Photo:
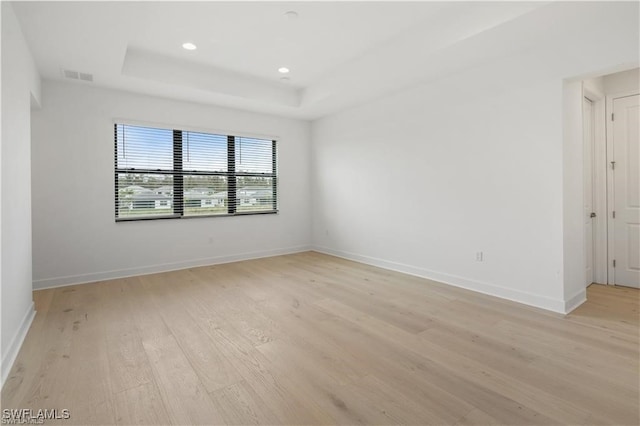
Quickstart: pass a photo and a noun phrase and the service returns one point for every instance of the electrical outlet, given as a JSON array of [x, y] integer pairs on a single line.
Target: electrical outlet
[[479, 256]]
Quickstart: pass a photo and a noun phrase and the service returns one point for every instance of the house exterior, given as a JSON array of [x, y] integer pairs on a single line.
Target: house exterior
[[202, 200], [164, 190], [254, 196], [204, 197], [149, 200], [136, 198]]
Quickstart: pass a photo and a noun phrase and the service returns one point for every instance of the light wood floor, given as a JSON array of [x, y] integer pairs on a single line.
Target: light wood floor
[[313, 339]]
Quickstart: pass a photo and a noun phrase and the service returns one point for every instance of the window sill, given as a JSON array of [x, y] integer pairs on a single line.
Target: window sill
[[136, 219]]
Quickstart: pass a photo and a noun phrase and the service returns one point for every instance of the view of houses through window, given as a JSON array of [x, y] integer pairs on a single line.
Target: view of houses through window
[[173, 173]]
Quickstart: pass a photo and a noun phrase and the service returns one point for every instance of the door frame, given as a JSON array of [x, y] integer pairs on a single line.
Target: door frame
[[610, 98], [600, 189], [588, 120]]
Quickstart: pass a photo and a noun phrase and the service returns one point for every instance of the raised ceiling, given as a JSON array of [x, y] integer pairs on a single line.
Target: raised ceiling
[[340, 53]]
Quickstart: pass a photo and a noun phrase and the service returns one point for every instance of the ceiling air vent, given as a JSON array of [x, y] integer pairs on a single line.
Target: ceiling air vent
[[70, 74], [75, 75]]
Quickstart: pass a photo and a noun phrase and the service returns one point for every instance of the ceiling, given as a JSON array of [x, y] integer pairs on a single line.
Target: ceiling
[[340, 54]]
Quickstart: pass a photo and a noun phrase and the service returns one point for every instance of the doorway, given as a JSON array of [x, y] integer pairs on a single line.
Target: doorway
[[611, 179], [589, 186]]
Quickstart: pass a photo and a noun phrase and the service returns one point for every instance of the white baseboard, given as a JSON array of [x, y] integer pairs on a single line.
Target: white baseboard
[[559, 306], [578, 299], [11, 352], [165, 267], [555, 305]]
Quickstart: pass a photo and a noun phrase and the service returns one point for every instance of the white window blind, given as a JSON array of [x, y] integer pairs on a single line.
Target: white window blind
[[164, 173]]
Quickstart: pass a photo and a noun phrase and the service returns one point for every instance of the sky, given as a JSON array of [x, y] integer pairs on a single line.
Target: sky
[[149, 148]]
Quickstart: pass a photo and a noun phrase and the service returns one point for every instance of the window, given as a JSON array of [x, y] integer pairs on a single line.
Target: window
[[164, 173]]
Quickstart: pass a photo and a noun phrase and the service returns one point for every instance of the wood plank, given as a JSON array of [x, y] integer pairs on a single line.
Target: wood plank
[[183, 395], [213, 369], [285, 400], [241, 405], [313, 339], [511, 396], [141, 405], [128, 360], [89, 401], [309, 375]]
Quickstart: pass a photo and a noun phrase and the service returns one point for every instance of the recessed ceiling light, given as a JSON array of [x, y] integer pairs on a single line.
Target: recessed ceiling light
[[283, 70], [291, 15], [285, 79], [189, 46]]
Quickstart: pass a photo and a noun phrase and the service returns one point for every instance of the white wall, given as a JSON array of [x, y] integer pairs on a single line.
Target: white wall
[[76, 238], [20, 87], [593, 88], [573, 200], [477, 161], [622, 82]]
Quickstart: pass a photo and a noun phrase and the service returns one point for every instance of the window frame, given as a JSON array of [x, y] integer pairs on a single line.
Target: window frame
[[178, 174]]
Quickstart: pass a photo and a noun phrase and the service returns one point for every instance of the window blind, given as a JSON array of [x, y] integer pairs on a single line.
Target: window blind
[[164, 173]]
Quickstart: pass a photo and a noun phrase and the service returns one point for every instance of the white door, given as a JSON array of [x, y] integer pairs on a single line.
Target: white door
[[626, 192], [589, 215]]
